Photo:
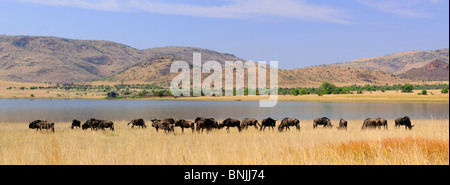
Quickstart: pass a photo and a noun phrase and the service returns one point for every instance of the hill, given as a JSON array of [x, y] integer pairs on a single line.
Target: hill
[[398, 63], [156, 71], [53, 59], [435, 70]]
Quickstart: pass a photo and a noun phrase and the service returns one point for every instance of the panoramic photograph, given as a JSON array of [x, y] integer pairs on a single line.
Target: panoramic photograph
[[228, 82]]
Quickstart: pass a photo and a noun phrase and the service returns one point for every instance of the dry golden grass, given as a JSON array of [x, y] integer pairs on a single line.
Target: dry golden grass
[[427, 143]]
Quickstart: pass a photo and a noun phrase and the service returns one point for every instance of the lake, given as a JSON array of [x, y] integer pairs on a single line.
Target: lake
[[25, 110]]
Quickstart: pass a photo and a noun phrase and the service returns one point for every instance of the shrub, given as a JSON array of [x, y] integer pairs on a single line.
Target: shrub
[[444, 90], [407, 88], [424, 92]]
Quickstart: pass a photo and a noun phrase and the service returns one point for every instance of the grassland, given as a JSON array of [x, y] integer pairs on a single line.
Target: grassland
[[433, 96], [426, 144]]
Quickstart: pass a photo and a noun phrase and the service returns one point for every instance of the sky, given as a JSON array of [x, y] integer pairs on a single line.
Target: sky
[[296, 33]]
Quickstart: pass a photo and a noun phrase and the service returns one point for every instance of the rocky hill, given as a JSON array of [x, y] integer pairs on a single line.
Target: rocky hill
[[436, 70], [398, 63]]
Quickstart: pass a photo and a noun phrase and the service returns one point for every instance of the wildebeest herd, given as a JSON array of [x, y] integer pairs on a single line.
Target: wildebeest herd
[[208, 124]]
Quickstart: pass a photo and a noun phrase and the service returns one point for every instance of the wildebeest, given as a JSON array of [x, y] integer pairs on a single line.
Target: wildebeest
[[105, 124], [205, 123], [287, 122], [268, 122], [229, 122], [76, 123], [382, 123], [322, 121], [91, 123], [374, 123], [249, 122], [42, 124], [405, 121], [97, 124], [137, 122], [369, 123], [185, 124], [342, 124], [163, 124]]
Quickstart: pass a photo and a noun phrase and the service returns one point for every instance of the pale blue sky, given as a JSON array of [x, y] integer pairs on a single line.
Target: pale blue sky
[[296, 33]]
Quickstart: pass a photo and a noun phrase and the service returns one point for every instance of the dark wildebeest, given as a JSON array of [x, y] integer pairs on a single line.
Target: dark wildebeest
[[369, 123], [405, 121], [91, 123], [374, 123], [287, 122], [76, 123], [137, 122], [185, 124], [250, 122], [382, 123], [97, 124], [268, 122], [105, 124], [42, 124], [342, 124], [229, 122], [163, 124], [169, 120], [205, 123], [322, 121]]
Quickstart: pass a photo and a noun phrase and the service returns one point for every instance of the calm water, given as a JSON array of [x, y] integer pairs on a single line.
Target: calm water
[[24, 110]]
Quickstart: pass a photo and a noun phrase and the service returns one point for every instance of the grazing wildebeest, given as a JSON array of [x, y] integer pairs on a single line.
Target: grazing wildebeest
[[250, 122], [369, 123], [137, 122], [105, 124], [287, 122], [405, 121], [96, 124], [229, 122], [42, 124], [322, 121], [374, 123], [342, 124], [206, 123], [382, 123], [185, 124], [268, 122], [163, 124], [76, 123], [91, 123]]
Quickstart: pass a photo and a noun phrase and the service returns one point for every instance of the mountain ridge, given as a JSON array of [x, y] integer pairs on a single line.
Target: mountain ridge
[[55, 59]]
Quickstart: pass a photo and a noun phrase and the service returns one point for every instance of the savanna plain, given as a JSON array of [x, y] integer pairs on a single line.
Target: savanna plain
[[426, 144]]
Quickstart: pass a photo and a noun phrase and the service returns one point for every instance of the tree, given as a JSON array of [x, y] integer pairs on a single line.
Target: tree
[[407, 88], [328, 87]]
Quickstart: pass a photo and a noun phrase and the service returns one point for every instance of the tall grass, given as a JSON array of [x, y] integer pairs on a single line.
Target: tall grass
[[427, 143]]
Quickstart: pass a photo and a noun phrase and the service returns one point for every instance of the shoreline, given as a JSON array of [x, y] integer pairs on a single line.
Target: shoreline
[[345, 98]]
